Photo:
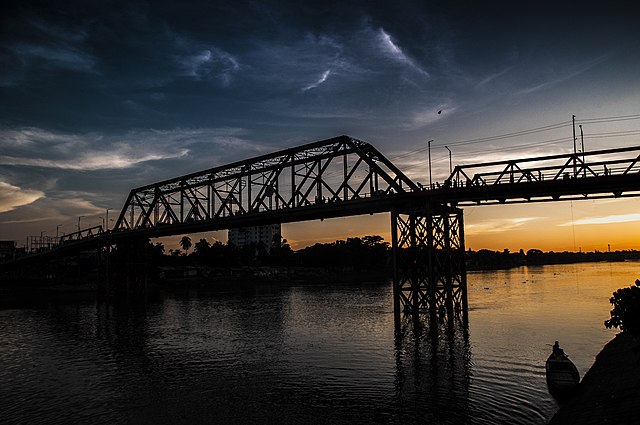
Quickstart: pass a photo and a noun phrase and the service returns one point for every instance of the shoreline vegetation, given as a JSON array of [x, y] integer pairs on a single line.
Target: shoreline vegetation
[[355, 259]]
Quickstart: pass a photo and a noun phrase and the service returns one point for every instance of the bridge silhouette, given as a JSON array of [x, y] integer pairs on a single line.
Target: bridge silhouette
[[344, 176]]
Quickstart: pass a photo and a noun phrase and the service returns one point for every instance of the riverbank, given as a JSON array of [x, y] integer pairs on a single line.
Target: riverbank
[[608, 393]]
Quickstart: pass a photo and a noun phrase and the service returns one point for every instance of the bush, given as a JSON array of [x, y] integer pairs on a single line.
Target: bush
[[626, 309]]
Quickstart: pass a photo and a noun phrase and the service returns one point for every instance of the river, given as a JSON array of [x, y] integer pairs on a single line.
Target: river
[[302, 353]]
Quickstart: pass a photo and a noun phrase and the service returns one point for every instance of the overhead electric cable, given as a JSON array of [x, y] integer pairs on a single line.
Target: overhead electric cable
[[486, 139], [610, 119]]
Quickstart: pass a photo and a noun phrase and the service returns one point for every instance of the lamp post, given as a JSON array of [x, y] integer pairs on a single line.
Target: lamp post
[[575, 153], [582, 144], [79, 217], [429, 147], [450, 163], [107, 220]]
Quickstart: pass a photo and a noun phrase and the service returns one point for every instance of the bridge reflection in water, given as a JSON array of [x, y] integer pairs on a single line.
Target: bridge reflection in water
[[433, 373]]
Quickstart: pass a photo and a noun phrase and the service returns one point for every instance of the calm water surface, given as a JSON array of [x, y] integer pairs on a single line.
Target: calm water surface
[[302, 354]]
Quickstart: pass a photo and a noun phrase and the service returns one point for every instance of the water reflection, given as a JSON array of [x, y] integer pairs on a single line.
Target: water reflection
[[301, 354], [433, 371]]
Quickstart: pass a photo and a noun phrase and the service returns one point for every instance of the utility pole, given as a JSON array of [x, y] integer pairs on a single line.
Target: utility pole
[[582, 143], [575, 153], [430, 180], [450, 163], [79, 217]]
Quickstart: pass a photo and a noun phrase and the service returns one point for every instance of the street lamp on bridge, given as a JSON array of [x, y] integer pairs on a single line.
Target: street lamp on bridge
[[107, 220], [429, 147], [450, 164]]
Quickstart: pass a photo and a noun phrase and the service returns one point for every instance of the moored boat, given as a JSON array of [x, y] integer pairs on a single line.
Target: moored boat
[[562, 375]]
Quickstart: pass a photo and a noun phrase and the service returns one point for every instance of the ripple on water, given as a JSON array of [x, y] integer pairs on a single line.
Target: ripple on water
[[306, 354]]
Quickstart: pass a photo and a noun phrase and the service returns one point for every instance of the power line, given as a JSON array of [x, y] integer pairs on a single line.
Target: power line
[[610, 119], [488, 138], [614, 133], [507, 135], [534, 131], [522, 133]]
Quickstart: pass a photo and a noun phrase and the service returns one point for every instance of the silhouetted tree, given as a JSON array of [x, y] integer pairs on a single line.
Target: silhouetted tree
[[367, 253], [280, 253], [160, 247], [201, 248], [185, 243], [626, 309]]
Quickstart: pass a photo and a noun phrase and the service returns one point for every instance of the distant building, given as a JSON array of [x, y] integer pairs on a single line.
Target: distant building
[[244, 236], [7, 250]]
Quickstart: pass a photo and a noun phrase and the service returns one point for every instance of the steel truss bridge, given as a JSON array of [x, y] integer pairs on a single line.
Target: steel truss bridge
[[343, 176]]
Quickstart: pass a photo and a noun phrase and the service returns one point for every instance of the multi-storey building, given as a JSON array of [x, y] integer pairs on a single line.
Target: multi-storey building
[[244, 236]]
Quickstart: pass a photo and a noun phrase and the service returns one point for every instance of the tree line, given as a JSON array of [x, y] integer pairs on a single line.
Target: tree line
[[370, 252], [357, 253]]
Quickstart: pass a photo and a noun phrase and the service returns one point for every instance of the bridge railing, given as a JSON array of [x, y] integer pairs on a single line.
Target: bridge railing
[[88, 233], [548, 168]]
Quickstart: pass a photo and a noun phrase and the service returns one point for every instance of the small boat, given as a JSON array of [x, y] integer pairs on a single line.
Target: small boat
[[562, 375]]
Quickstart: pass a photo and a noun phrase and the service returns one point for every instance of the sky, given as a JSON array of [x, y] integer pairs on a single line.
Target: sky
[[97, 98]]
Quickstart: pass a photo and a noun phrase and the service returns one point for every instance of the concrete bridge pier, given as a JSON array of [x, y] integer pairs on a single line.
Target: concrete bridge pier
[[429, 275]]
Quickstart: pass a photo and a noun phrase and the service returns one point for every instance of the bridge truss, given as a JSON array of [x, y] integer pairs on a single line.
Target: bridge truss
[[270, 188], [597, 174]]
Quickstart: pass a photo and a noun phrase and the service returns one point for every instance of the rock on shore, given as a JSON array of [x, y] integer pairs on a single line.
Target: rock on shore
[[610, 390]]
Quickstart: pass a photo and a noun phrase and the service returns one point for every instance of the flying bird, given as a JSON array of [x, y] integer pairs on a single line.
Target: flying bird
[[440, 111]]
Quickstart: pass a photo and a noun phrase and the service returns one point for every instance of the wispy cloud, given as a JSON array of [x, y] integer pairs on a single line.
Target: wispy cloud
[[321, 80], [12, 197], [62, 56], [62, 208], [393, 50], [40, 148], [121, 158], [37, 147], [497, 225], [48, 47], [209, 63], [286, 66], [492, 77], [608, 219], [561, 77]]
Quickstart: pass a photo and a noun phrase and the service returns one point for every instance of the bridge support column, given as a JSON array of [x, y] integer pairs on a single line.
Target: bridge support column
[[429, 275]]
